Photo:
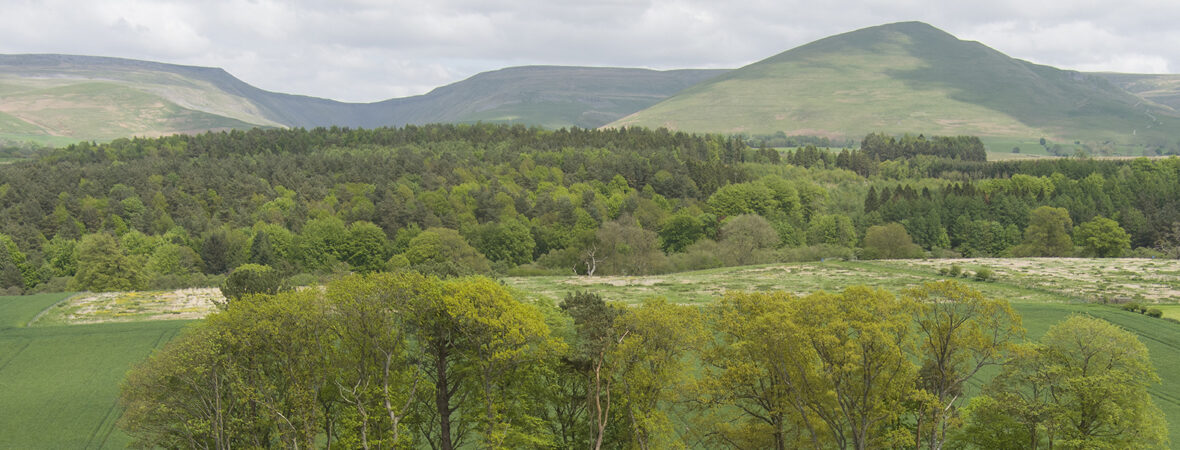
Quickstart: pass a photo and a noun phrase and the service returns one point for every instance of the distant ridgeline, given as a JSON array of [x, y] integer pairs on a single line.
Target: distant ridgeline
[[455, 199]]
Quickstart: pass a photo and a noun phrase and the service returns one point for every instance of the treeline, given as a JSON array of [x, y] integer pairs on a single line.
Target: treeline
[[461, 199], [406, 361]]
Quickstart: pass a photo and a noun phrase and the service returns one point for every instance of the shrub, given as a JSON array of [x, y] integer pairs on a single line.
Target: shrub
[[984, 274], [1155, 312], [1133, 307], [250, 279], [955, 270]]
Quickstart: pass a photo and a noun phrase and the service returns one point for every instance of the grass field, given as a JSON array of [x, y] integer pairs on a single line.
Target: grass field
[[59, 384]]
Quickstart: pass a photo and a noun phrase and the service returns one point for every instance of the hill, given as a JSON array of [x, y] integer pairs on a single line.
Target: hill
[[65, 98], [909, 77], [1163, 89]]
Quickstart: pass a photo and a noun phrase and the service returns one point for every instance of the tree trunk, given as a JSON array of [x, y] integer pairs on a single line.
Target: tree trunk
[[442, 399]]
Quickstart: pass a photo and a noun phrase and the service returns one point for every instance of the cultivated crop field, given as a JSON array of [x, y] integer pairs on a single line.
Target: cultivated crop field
[[59, 384]]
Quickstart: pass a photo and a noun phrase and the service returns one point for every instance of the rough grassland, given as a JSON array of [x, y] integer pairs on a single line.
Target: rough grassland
[[59, 384]]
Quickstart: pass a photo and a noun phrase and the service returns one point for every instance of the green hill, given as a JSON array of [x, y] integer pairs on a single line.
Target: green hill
[[551, 96], [910, 77], [65, 98], [1163, 89]]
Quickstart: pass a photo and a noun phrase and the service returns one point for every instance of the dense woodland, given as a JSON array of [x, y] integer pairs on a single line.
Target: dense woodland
[[469, 199]]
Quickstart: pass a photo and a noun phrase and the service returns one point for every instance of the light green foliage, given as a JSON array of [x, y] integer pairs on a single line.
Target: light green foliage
[[173, 259], [743, 198], [1047, 233], [648, 366], [959, 332], [831, 229], [1083, 386], [376, 382], [59, 255], [890, 241], [322, 242], [749, 395], [859, 373], [1102, 237], [442, 251], [102, 266]]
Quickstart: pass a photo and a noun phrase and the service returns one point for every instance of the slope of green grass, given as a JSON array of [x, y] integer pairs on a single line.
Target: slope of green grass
[[59, 385], [1159, 88], [909, 77]]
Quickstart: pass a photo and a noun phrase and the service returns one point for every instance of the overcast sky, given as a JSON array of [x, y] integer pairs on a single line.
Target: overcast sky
[[369, 50]]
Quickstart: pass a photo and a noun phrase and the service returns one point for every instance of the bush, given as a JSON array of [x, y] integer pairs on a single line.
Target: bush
[[1155, 312], [984, 274], [250, 279], [1133, 307], [954, 271]]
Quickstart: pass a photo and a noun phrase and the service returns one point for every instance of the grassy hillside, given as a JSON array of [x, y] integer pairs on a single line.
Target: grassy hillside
[[61, 98], [1162, 89], [549, 96], [909, 77]]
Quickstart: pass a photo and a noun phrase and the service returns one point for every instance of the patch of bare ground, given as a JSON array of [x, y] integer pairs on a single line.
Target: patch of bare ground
[[182, 304]]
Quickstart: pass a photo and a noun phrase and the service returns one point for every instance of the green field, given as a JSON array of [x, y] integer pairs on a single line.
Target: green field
[[59, 384]]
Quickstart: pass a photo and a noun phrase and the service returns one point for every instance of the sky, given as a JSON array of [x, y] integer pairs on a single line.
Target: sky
[[370, 50]]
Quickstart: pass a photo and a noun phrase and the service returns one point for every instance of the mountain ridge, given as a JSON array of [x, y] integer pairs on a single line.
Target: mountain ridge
[[907, 77], [161, 96]]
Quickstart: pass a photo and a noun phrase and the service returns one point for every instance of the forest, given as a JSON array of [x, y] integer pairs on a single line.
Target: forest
[[185, 210]]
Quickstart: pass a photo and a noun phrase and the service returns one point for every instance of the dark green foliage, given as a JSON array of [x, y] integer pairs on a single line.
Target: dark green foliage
[[680, 231], [293, 199], [249, 279], [1154, 312]]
